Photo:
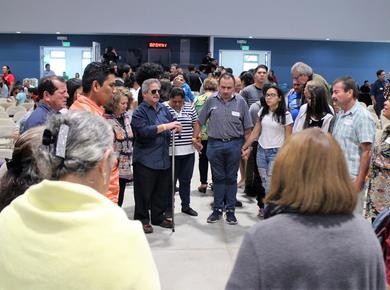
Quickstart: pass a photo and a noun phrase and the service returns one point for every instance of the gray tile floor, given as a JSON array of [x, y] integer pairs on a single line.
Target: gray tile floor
[[197, 255]]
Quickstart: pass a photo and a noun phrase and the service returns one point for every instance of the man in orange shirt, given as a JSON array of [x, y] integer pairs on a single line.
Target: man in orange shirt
[[98, 89]]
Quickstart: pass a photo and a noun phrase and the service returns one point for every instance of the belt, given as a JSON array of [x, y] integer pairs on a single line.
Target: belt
[[225, 139]]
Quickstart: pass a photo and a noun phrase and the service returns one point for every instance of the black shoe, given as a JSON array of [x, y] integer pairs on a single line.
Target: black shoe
[[215, 216], [238, 203], [230, 217], [148, 229], [202, 188], [189, 211]]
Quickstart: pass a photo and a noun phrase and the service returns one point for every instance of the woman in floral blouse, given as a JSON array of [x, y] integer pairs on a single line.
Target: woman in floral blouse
[[119, 117], [379, 177]]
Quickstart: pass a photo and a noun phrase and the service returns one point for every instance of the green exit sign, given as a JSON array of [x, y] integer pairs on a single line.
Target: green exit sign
[[66, 43], [245, 47]]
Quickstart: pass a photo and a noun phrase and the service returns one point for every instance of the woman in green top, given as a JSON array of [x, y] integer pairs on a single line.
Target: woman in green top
[[210, 86]]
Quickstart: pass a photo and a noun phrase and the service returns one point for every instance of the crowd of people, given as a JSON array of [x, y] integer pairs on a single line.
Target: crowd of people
[[316, 158]]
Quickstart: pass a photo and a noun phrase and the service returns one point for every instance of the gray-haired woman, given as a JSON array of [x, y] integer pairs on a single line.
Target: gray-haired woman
[[63, 232]]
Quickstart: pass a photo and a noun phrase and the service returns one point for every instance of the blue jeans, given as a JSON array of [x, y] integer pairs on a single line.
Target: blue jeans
[[224, 159], [265, 161]]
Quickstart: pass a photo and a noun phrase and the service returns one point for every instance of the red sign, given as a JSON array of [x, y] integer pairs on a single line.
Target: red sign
[[157, 45]]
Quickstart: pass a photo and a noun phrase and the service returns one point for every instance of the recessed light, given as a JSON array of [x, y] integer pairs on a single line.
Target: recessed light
[[250, 36], [18, 32], [58, 32], [327, 38]]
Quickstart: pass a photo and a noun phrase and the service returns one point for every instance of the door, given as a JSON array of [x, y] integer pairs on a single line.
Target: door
[[68, 60], [240, 60]]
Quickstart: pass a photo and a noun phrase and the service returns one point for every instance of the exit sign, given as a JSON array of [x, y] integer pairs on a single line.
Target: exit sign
[[66, 43], [245, 47], [157, 45]]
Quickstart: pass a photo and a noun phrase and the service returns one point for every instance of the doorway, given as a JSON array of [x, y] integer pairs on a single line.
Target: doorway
[[243, 60], [70, 60]]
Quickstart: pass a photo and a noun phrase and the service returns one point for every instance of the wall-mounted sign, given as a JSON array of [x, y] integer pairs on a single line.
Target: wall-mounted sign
[[157, 45], [66, 43]]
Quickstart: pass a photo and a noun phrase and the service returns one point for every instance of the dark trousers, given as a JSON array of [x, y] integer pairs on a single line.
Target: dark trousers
[[253, 185], [224, 160], [150, 188], [379, 107], [122, 187], [184, 167], [203, 163]]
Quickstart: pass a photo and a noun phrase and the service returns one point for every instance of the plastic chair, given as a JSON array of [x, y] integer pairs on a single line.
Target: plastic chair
[[18, 116], [3, 114], [12, 110], [28, 106]]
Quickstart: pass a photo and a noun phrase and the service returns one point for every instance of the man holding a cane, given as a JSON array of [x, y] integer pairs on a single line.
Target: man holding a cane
[[152, 124]]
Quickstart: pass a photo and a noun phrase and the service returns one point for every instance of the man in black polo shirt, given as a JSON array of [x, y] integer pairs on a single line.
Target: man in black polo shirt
[[377, 89], [229, 122]]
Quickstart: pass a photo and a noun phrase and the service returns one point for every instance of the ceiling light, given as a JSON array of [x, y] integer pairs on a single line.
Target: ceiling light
[[327, 38], [58, 32], [18, 32], [250, 36]]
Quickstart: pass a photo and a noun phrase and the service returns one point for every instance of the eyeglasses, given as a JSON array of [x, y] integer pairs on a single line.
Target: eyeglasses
[[155, 91], [273, 95]]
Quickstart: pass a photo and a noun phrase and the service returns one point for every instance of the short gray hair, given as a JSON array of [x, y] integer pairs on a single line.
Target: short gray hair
[[146, 84], [88, 139], [301, 69]]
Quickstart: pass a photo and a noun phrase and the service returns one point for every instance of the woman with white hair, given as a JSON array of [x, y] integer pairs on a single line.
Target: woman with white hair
[[63, 233]]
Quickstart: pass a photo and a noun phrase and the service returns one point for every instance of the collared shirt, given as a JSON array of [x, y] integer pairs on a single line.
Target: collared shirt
[[149, 148], [351, 129], [86, 104], [226, 119], [38, 117], [377, 90], [294, 102]]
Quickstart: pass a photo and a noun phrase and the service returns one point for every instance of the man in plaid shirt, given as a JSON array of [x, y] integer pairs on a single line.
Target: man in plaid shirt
[[354, 130]]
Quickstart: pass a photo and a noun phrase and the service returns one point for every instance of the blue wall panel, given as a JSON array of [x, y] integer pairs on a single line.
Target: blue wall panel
[[331, 59], [22, 51]]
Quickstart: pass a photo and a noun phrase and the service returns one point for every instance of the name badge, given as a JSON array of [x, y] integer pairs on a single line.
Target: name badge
[[387, 140], [348, 122], [236, 114], [381, 89]]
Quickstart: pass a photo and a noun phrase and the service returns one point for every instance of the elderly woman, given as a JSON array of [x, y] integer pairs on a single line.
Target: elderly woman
[[184, 153], [210, 86], [63, 233], [379, 175], [311, 239], [22, 170], [119, 117]]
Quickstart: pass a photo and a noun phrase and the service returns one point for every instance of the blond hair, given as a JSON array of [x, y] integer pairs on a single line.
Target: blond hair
[[310, 175], [112, 106]]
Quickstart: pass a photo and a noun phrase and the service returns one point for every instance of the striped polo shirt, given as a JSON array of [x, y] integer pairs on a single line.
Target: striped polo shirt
[[183, 141]]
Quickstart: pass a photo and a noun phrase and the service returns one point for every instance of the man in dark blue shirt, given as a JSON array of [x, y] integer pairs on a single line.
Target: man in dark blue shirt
[[377, 90], [152, 123], [53, 95]]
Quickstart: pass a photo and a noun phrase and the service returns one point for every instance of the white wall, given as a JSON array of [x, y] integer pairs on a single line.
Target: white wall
[[283, 19]]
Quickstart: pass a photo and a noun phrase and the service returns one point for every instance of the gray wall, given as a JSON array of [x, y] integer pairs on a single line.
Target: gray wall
[[353, 20]]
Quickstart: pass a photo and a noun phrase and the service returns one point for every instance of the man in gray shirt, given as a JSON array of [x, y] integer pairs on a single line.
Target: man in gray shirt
[[254, 92], [228, 123]]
